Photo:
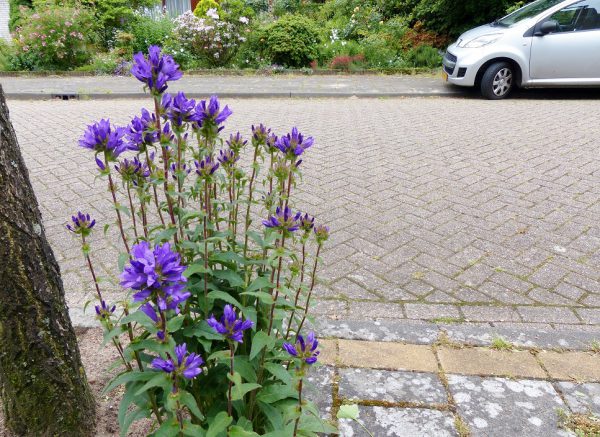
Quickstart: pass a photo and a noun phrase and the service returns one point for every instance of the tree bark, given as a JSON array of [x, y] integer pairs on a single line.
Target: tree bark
[[43, 385]]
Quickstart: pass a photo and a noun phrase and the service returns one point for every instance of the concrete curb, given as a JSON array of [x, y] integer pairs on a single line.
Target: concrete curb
[[229, 95]]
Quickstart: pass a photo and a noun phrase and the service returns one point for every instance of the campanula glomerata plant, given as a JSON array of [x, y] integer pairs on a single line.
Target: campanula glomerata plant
[[217, 270]]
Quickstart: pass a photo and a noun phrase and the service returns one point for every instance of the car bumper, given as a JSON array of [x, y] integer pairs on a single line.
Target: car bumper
[[462, 65]]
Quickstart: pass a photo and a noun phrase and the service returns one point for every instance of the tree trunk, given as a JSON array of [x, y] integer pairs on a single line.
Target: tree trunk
[[43, 385]]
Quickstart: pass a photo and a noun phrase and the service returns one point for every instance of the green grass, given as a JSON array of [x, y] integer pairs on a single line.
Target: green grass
[[500, 344]]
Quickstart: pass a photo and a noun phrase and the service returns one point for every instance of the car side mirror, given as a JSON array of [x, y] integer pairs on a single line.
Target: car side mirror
[[547, 27]]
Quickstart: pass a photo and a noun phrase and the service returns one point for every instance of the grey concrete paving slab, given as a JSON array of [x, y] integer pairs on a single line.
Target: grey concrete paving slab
[[581, 398], [400, 422], [507, 407], [319, 386], [383, 385]]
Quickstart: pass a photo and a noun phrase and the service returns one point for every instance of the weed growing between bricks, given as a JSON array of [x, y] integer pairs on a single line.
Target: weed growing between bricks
[[211, 333]]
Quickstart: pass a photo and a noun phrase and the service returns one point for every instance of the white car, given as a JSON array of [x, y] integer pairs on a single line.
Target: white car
[[547, 43]]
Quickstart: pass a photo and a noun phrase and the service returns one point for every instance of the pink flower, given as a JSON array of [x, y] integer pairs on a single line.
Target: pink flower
[[25, 48], [43, 43]]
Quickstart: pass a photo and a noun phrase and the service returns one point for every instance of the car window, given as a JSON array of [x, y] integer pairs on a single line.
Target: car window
[[527, 11], [583, 15]]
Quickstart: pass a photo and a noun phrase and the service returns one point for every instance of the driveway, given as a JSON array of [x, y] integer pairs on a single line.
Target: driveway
[[446, 210]]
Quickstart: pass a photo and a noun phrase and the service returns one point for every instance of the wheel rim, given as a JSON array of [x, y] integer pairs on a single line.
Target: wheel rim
[[502, 82]]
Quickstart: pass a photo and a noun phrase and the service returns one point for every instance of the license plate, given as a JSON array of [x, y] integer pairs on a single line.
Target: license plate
[[445, 76]]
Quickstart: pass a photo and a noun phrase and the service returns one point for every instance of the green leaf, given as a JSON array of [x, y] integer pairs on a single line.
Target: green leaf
[[264, 297], [158, 380], [115, 332], [123, 378], [227, 257], [314, 424], [240, 389], [169, 428], [192, 430], [348, 412], [219, 424], [137, 317], [165, 235], [230, 276], [189, 401], [175, 323], [237, 431], [279, 371], [261, 340], [136, 414], [259, 283], [273, 393], [126, 401], [195, 268], [217, 294], [272, 414]]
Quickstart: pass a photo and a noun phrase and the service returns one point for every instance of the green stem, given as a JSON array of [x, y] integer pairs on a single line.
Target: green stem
[[289, 328]]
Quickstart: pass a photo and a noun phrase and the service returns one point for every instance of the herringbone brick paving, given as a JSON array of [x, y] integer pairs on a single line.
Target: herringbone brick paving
[[450, 209]]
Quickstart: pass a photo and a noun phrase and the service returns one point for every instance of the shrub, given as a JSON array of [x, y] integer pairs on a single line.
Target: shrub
[[423, 57], [212, 335], [15, 8], [258, 5], [147, 31], [54, 38], [346, 63], [284, 7], [292, 41], [210, 39], [204, 6], [378, 52], [6, 56]]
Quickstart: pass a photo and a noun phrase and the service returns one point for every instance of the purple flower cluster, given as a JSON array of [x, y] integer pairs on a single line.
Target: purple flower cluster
[[206, 168], [82, 224], [179, 109], [306, 350], [294, 144], [230, 325], [307, 223], [260, 134], [210, 112], [103, 311], [142, 131], [227, 158], [321, 233], [133, 170], [236, 143], [156, 70], [283, 220], [183, 171], [186, 365], [156, 274], [101, 137]]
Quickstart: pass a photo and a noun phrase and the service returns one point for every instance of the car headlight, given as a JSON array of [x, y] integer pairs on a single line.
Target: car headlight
[[481, 41]]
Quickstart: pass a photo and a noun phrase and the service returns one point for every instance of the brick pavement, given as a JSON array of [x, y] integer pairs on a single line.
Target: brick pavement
[[441, 209]]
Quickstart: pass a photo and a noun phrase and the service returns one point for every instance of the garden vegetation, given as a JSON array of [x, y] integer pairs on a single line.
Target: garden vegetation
[[101, 36]]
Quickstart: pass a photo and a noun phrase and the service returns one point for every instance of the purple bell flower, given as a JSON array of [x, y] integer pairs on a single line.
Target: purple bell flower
[[179, 109], [101, 137], [157, 274], [283, 220], [206, 167], [184, 364], [103, 311], [306, 350], [294, 144], [321, 233], [156, 70], [210, 112], [82, 224], [142, 131], [230, 325]]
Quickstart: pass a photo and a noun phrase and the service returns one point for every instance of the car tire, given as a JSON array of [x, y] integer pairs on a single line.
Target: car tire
[[498, 81]]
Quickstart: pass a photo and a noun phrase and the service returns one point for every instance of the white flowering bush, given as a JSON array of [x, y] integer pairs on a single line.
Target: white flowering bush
[[210, 39]]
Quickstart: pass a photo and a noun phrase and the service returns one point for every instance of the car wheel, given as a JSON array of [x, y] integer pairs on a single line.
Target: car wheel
[[498, 81]]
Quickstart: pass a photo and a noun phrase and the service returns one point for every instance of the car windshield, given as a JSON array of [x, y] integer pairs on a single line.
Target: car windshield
[[528, 11]]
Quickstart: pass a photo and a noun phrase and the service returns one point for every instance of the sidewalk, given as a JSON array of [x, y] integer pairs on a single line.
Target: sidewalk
[[97, 87]]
